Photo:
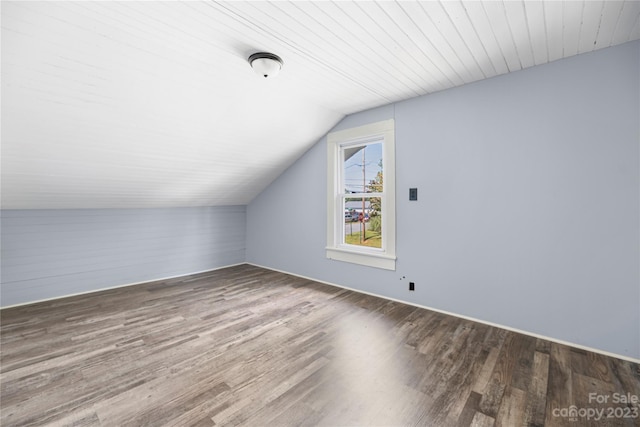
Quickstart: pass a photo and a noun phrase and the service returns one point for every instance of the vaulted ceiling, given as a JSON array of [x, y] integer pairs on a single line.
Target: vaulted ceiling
[[149, 104]]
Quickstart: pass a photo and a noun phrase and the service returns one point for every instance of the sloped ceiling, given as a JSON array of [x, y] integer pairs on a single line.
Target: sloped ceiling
[[149, 104]]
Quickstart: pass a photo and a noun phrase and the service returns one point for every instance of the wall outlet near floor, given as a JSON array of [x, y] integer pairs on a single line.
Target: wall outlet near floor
[[412, 286]]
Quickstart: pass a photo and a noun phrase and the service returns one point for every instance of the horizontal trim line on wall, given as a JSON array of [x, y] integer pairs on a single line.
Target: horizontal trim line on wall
[[495, 325], [120, 286]]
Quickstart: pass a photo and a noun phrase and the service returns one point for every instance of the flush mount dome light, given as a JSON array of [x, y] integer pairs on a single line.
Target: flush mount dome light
[[265, 64]]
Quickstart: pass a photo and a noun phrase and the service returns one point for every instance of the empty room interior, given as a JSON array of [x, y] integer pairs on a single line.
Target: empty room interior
[[417, 213]]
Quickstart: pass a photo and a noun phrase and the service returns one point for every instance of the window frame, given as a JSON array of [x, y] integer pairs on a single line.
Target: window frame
[[385, 257]]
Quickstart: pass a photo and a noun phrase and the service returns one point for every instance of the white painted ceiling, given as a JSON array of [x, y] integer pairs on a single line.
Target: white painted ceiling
[[149, 104]]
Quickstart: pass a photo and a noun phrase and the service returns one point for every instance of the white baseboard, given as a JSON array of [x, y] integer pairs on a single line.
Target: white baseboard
[[495, 325], [118, 286]]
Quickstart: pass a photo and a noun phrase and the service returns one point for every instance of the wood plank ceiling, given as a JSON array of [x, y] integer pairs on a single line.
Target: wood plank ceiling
[[148, 104]]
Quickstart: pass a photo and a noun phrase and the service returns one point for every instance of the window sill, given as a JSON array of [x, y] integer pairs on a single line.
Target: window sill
[[370, 259]]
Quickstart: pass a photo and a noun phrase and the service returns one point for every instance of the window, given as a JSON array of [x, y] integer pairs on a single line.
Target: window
[[361, 195]]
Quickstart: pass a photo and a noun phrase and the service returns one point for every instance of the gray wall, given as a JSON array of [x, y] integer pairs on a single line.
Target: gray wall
[[528, 211], [52, 253]]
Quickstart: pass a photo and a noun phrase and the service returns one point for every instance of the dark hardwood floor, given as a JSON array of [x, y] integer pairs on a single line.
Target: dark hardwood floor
[[248, 346]]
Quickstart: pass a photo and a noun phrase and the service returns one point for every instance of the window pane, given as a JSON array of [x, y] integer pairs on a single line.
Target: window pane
[[363, 221], [362, 168]]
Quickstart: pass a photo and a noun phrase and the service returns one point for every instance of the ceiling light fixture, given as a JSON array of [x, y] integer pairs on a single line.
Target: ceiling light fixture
[[265, 64]]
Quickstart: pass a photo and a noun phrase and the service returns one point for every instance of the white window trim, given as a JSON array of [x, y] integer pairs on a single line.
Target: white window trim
[[384, 258]]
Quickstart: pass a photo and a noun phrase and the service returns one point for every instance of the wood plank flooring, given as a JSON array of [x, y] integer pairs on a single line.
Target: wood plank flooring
[[253, 347]]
